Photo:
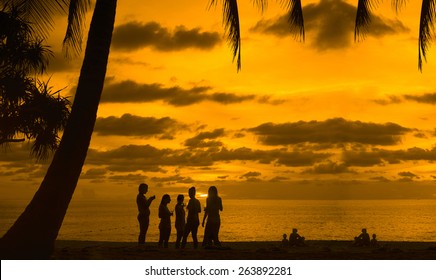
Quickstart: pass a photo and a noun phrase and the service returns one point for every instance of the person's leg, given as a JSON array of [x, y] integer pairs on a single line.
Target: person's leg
[[179, 237], [161, 236], [143, 227], [216, 233], [167, 235], [207, 235], [185, 234], [194, 236]]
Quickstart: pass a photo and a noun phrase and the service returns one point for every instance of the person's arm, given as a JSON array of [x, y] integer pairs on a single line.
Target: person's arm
[[221, 204], [160, 214], [178, 210], [149, 201], [198, 206], [204, 217]]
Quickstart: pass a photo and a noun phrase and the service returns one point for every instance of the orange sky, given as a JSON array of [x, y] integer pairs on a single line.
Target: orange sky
[[324, 118]]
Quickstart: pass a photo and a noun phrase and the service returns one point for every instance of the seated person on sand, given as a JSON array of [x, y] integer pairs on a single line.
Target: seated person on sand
[[295, 239], [285, 242], [362, 239], [374, 242]]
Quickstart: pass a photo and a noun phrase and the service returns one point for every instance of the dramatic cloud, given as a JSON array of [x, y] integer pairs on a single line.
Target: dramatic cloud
[[133, 158], [380, 179], [131, 91], [173, 179], [408, 174], [334, 131], [136, 35], [331, 23], [94, 173], [250, 174], [329, 167], [130, 125], [389, 100], [382, 156], [429, 98], [199, 140]]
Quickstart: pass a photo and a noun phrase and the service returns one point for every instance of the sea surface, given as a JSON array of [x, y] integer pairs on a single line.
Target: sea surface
[[253, 220]]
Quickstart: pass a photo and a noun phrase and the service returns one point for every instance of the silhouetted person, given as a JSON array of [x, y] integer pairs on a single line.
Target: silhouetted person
[[285, 241], [144, 211], [362, 239], [180, 219], [165, 221], [295, 239], [212, 213], [192, 220], [374, 242]]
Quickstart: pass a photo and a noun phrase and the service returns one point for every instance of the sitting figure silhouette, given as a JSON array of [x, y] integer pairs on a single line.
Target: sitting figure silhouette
[[362, 239], [285, 241], [374, 242], [295, 239]]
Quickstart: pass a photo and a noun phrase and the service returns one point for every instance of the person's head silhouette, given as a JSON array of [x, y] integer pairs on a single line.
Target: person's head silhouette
[[143, 188], [212, 192], [192, 192]]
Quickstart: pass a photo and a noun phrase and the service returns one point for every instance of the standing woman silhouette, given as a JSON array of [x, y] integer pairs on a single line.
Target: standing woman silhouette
[[212, 213], [143, 211], [165, 221]]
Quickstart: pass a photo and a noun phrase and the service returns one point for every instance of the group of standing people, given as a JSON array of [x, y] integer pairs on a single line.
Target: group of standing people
[[211, 220]]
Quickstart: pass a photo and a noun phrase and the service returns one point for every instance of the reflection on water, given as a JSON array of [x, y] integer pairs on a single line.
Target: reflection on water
[[254, 220]]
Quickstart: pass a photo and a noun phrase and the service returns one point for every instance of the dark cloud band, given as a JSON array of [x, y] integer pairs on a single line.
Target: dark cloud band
[[332, 24], [132, 92], [136, 35], [334, 131]]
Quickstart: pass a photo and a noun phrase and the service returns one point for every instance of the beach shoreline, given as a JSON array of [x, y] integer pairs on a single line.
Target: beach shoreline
[[260, 250]]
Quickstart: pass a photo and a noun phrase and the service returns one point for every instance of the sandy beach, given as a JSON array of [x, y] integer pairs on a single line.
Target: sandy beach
[[315, 250]]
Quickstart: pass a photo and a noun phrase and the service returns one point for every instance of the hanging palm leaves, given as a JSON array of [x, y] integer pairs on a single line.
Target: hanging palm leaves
[[29, 109]]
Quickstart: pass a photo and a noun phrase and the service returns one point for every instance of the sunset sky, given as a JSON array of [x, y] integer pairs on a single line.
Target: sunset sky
[[327, 118]]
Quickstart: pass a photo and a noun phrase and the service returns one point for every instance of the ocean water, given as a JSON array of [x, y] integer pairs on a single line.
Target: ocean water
[[253, 220]]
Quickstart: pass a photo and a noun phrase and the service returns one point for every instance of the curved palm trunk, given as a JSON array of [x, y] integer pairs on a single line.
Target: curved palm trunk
[[33, 234]]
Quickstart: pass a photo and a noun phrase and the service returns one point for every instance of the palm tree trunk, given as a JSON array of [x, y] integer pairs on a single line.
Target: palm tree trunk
[[35, 231]]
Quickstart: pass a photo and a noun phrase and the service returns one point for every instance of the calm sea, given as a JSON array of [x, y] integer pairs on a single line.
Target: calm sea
[[254, 220]]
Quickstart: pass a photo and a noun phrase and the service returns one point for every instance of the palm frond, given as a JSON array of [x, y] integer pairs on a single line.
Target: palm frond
[[363, 18], [295, 17], [261, 4], [398, 4], [40, 13], [231, 26], [76, 17], [37, 57], [426, 28]]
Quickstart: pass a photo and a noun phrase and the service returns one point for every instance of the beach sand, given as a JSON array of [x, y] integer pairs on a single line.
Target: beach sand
[[315, 250]]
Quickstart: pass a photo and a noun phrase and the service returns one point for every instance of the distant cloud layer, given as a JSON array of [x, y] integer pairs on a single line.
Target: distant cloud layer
[[333, 131], [331, 24], [205, 139], [427, 98], [208, 150], [136, 35], [131, 91], [131, 158], [375, 156], [130, 125]]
